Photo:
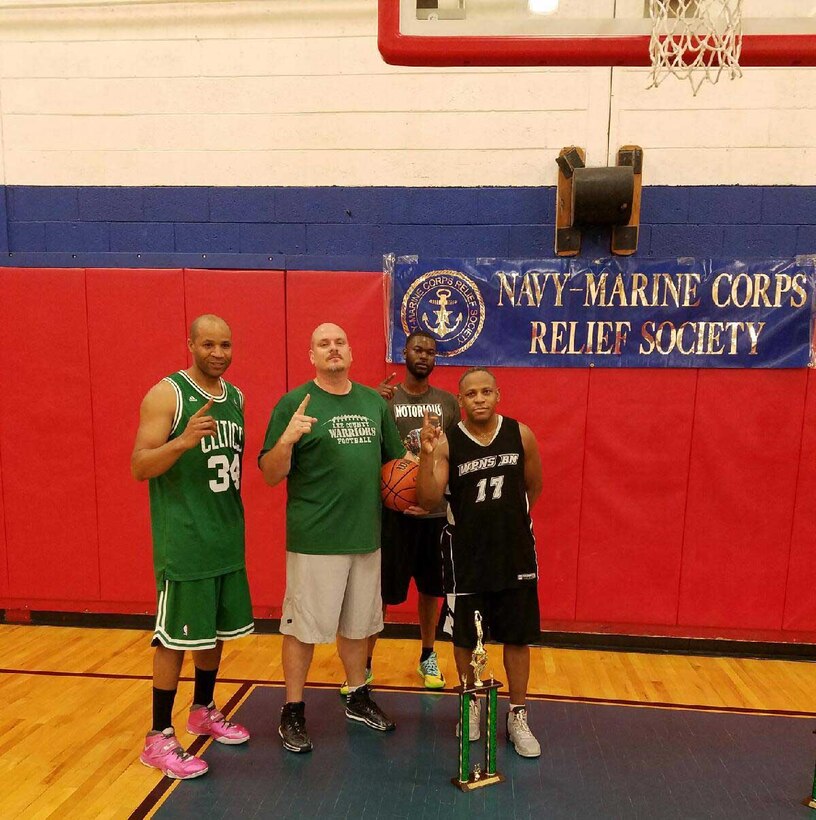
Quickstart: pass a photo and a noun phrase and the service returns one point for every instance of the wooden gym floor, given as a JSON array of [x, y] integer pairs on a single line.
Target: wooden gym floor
[[76, 702]]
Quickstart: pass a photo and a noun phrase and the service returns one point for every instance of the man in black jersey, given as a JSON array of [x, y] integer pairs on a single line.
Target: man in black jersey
[[492, 469]]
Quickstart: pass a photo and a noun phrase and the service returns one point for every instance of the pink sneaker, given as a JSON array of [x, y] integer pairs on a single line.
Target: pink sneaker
[[207, 720], [163, 751]]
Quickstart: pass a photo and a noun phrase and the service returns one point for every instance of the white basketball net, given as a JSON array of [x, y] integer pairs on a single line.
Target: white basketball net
[[695, 40]]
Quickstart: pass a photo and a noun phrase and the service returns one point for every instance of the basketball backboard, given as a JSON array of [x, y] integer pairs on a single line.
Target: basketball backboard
[[572, 32]]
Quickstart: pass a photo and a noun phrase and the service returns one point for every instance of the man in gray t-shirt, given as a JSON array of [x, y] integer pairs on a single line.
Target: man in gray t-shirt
[[410, 540]]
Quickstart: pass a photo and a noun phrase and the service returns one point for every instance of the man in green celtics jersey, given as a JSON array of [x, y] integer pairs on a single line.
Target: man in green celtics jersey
[[331, 458], [190, 446]]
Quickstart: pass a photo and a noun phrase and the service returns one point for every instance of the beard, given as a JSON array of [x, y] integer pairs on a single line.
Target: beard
[[419, 375]]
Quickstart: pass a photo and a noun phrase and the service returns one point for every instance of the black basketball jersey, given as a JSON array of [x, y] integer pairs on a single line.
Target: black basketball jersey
[[488, 544]]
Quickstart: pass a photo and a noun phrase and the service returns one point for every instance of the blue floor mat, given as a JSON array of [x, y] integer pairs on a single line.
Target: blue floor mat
[[598, 761]]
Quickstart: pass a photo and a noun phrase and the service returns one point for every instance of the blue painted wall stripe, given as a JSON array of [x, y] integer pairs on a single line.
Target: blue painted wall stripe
[[342, 228]]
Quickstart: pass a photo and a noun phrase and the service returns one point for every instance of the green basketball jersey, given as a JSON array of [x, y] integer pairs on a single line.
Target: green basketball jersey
[[195, 507]]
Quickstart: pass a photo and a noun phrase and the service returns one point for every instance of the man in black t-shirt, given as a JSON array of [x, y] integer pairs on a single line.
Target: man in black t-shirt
[[491, 467], [410, 540]]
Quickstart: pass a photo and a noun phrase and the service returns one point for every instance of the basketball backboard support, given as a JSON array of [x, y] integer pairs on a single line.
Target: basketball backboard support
[[572, 32]]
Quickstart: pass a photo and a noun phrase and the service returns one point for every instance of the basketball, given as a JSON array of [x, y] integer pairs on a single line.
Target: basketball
[[398, 485]]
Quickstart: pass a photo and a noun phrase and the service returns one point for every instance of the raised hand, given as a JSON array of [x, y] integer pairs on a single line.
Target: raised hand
[[199, 426], [299, 424], [430, 434], [386, 389]]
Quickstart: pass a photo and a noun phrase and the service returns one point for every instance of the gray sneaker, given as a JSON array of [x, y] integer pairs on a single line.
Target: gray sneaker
[[474, 720], [519, 734]]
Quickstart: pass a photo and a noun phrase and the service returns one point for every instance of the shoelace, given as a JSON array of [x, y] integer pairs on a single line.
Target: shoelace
[[174, 747], [296, 720], [217, 717], [299, 726], [522, 727], [431, 666], [181, 754], [228, 724]]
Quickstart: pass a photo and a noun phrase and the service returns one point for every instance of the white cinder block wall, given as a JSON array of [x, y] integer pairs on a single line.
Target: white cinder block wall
[[294, 93]]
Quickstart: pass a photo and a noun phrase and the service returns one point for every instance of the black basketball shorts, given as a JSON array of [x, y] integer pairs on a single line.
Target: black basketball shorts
[[410, 549], [510, 616]]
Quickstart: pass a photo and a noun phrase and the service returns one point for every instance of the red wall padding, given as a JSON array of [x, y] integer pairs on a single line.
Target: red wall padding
[[742, 485], [678, 499], [636, 462], [46, 437], [4, 585], [800, 601], [352, 300], [136, 333]]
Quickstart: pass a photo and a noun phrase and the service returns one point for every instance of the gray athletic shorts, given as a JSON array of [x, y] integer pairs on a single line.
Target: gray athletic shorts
[[331, 594]]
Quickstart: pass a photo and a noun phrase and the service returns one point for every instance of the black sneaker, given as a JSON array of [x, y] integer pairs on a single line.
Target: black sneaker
[[292, 728], [360, 707]]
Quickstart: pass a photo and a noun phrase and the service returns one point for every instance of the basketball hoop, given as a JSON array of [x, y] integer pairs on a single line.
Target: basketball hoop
[[695, 40]]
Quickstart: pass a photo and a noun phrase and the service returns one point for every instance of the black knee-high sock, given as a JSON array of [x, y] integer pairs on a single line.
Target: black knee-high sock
[[163, 708], [204, 686]]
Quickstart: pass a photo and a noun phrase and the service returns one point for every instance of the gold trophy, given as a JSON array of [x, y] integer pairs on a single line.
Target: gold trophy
[[466, 780], [479, 659]]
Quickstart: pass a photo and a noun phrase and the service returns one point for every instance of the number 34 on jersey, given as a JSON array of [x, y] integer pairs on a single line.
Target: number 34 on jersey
[[226, 470]]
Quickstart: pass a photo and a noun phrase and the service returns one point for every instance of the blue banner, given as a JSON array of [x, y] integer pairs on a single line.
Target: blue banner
[[605, 313]]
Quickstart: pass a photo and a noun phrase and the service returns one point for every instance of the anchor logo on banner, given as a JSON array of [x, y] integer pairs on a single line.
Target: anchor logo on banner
[[448, 305], [442, 327]]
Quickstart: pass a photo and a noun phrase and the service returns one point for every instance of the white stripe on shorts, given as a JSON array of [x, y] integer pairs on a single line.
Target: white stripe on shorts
[[236, 633]]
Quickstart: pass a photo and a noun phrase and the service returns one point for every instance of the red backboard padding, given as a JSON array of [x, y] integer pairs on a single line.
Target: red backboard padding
[[742, 486], [253, 304], [674, 498], [46, 436], [136, 334]]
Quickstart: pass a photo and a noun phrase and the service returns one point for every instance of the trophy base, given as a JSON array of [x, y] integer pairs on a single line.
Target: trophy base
[[810, 802], [470, 785]]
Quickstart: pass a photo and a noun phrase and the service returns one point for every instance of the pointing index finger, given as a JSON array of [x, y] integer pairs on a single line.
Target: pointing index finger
[[303, 404], [388, 378], [202, 410]]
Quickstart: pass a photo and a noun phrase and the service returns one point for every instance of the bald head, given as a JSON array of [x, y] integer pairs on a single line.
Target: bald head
[[327, 330], [329, 350], [210, 345], [208, 323], [478, 396]]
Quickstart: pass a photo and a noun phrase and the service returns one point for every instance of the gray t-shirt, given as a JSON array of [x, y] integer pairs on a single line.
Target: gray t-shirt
[[409, 410]]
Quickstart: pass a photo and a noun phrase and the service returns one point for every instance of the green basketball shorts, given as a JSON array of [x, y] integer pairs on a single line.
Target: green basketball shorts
[[196, 614]]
